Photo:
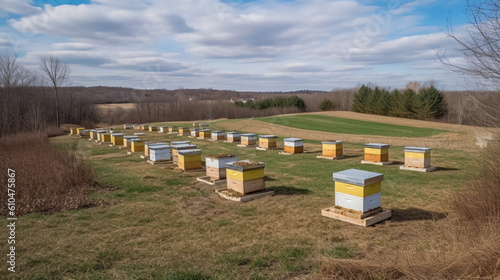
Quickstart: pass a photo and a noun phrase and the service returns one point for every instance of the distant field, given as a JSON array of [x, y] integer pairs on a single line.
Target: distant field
[[349, 126]]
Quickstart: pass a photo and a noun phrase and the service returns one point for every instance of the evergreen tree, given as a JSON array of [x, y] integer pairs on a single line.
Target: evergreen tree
[[326, 105], [360, 99]]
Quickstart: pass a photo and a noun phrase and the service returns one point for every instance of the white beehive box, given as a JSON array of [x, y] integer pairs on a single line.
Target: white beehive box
[[159, 152]]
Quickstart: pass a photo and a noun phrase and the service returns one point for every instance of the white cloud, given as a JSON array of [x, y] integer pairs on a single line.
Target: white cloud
[[18, 7]]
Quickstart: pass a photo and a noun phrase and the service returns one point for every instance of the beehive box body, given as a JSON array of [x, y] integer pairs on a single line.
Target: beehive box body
[[332, 149], [205, 134], [218, 135], [419, 157], [178, 147], [93, 134], [117, 139], [184, 131], [358, 190], [126, 140], [159, 153], [294, 145], [248, 139], [147, 145], [189, 159], [163, 129], [136, 146], [153, 128], [267, 141], [144, 127], [216, 167], [172, 129], [233, 137], [376, 152], [245, 179], [127, 126], [194, 132], [105, 137], [80, 130]]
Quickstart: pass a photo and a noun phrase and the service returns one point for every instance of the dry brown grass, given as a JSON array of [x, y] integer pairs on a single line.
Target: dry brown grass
[[46, 180]]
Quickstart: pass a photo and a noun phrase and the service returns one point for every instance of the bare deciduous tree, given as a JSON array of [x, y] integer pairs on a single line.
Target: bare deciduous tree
[[57, 73]]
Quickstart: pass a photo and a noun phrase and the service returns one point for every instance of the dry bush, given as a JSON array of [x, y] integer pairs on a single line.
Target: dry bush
[[47, 181], [52, 131]]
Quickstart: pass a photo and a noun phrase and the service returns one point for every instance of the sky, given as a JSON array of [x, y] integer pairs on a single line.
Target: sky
[[276, 45]]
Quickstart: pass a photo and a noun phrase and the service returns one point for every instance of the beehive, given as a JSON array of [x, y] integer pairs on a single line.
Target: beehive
[[267, 141], [216, 165], [137, 126], [245, 176], [248, 139], [183, 131], [195, 124], [195, 132], [147, 145], [172, 129], [79, 130], [358, 190], [153, 128], [203, 125], [144, 127], [159, 153], [163, 129], [117, 139], [294, 145], [126, 140], [218, 135], [189, 159], [418, 157], [136, 145], [233, 137], [375, 152], [105, 137], [72, 131], [177, 147], [127, 126], [93, 134], [332, 148], [205, 134]]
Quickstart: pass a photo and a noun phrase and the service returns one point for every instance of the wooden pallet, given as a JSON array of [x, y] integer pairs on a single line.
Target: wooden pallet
[[229, 194], [267, 149], [428, 169], [377, 163], [331, 158], [159, 162], [207, 180], [361, 219]]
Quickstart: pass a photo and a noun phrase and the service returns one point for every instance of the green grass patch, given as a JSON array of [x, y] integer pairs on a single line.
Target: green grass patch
[[349, 126]]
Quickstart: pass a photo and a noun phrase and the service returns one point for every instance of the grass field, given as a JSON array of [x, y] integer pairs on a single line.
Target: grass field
[[159, 223], [349, 126]]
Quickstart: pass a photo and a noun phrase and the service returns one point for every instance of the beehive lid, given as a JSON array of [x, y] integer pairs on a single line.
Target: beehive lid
[[100, 131], [333, 142], [194, 128], [268, 136], [417, 149], [218, 131], [243, 165], [189, 152], [377, 146], [220, 156], [159, 147], [233, 132], [134, 140], [293, 139], [105, 133], [248, 134], [130, 137], [155, 144], [180, 142], [204, 130], [183, 146], [92, 130], [358, 177]]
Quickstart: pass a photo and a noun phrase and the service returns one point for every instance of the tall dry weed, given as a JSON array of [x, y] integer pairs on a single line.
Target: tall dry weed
[[46, 180]]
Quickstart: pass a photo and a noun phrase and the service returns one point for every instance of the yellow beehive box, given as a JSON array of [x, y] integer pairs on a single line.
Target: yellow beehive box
[[184, 131], [172, 129], [332, 148], [177, 147], [126, 140], [418, 157], [80, 130], [358, 190], [136, 145], [267, 141], [144, 127], [105, 137], [93, 134], [153, 128], [189, 159], [148, 144], [117, 139], [375, 152], [245, 176], [205, 133], [72, 131]]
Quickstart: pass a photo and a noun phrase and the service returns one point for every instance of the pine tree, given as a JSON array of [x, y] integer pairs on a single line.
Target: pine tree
[[360, 99]]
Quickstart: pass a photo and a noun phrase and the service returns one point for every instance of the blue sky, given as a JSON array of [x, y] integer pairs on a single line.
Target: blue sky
[[239, 45]]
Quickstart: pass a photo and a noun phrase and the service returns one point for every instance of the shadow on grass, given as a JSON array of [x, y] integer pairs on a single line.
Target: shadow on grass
[[414, 214], [269, 179], [288, 190], [438, 168]]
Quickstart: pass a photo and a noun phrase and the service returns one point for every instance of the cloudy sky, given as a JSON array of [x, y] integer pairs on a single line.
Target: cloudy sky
[[239, 45]]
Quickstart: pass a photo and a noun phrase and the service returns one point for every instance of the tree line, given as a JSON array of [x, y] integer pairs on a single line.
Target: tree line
[[422, 103], [277, 102]]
